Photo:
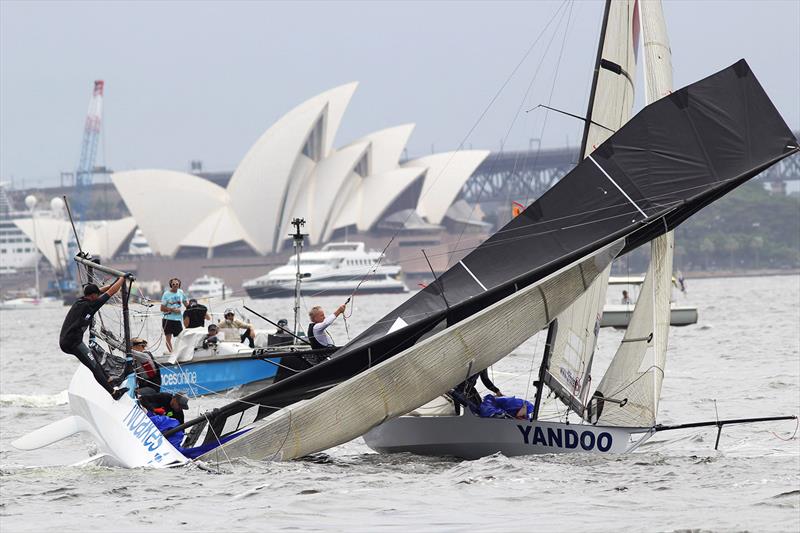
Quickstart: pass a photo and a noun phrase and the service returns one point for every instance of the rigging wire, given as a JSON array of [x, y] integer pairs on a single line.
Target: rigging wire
[[472, 129], [519, 109]]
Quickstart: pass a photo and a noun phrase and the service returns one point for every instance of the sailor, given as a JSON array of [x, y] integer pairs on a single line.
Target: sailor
[[78, 319], [165, 404], [211, 337], [282, 325], [163, 422], [195, 315], [171, 302], [626, 300], [232, 323], [467, 391], [148, 375], [317, 336]]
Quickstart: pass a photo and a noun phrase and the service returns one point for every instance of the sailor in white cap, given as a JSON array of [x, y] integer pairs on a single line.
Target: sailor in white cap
[[231, 325]]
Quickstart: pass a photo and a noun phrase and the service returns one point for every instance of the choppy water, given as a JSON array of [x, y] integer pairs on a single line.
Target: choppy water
[[745, 353]]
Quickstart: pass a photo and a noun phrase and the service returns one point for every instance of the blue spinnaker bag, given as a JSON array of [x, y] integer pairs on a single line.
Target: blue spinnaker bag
[[504, 407]]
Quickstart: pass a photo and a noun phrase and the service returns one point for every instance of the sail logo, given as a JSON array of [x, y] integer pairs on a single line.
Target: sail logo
[[182, 378], [567, 438], [140, 426]]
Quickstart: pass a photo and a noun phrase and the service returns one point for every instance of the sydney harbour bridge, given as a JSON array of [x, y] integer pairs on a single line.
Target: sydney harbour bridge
[[523, 176]]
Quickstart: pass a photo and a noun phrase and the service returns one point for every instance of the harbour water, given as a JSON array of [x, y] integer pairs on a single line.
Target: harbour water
[[742, 357]]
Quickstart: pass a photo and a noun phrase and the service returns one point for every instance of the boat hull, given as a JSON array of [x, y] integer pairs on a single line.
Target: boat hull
[[618, 316], [472, 437], [210, 376]]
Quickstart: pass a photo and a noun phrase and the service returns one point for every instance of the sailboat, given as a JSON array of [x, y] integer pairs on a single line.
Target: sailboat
[[676, 156]]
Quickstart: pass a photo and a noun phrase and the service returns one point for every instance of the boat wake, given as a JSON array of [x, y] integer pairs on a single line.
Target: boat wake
[[34, 400]]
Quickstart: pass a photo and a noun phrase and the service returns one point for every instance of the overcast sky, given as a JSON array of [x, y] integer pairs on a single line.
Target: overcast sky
[[202, 80]]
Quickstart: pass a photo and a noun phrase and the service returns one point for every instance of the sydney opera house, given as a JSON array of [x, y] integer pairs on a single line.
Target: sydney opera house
[[296, 169]]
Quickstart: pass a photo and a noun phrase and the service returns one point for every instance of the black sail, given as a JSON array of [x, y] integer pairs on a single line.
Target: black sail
[[673, 158]]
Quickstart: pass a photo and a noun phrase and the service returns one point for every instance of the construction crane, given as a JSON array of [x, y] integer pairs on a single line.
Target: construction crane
[[79, 201]]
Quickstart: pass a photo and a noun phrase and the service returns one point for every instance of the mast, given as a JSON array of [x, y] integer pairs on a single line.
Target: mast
[[548, 348], [297, 238], [595, 76]]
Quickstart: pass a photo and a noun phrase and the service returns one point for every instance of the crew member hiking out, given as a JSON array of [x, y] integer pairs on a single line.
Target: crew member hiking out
[[317, 336], [78, 319]]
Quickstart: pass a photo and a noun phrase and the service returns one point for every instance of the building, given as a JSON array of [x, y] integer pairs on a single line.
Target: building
[[295, 170]]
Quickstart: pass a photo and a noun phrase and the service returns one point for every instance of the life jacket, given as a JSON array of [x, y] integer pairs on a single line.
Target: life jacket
[[315, 344]]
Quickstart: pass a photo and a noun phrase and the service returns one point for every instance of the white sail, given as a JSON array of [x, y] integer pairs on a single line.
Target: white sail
[[637, 370], [419, 374], [568, 369]]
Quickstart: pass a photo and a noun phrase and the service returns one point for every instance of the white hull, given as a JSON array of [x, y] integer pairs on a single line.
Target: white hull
[[618, 315], [125, 436], [31, 303], [471, 437]]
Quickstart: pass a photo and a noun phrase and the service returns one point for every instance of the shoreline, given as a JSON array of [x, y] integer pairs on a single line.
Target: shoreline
[[701, 274]]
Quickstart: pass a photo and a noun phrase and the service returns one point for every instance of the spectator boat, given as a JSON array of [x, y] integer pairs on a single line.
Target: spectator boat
[[617, 314], [338, 268], [206, 287]]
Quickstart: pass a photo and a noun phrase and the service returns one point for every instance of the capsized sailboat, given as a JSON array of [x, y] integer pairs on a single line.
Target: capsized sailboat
[[621, 413], [677, 155]]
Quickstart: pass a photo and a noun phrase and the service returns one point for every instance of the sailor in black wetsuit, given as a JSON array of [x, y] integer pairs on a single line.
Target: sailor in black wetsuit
[[468, 392], [78, 319]]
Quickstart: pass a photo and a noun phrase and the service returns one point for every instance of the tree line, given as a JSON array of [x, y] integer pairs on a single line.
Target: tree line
[[747, 229]]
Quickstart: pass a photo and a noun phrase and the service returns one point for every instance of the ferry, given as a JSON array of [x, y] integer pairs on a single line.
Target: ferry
[[336, 269], [208, 287]]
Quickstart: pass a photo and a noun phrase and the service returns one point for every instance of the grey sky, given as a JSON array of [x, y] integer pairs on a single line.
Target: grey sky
[[202, 80]]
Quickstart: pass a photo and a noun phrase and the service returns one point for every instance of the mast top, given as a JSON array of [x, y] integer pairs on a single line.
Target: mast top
[[297, 236]]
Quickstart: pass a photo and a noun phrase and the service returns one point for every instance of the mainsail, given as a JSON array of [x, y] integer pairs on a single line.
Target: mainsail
[[567, 362], [637, 369], [676, 156], [420, 373]]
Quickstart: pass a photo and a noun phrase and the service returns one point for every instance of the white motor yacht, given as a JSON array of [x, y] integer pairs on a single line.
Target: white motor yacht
[[139, 244], [208, 287], [337, 268], [618, 310]]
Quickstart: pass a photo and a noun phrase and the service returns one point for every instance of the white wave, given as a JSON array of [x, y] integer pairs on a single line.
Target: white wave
[[34, 400]]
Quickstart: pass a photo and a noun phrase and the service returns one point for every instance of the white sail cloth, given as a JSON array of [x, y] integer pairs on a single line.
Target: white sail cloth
[[568, 372], [637, 370], [419, 374]]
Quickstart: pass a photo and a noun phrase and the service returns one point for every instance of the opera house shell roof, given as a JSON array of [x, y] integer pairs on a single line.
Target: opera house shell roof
[[293, 170]]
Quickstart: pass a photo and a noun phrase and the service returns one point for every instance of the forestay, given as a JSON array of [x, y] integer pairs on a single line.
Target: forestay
[[637, 369], [568, 367]]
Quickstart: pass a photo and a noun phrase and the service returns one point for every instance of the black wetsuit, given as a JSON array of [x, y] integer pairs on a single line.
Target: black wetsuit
[[154, 400], [78, 319], [468, 391], [197, 315]]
